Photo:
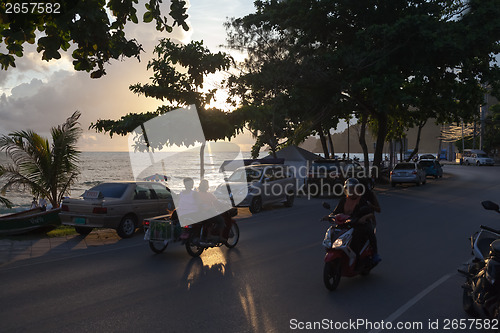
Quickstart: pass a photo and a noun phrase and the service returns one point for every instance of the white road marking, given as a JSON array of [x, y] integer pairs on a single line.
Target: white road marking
[[395, 315]]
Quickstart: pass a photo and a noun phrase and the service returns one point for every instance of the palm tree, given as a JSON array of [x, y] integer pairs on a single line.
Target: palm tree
[[6, 202], [48, 170]]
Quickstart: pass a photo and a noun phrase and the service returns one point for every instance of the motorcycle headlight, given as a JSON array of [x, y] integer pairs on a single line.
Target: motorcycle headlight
[[338, 243]]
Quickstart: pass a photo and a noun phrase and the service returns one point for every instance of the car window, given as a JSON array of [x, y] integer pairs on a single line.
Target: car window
[[143, 193], [110, 190], [404, 166], [269, 174], [325, 166], [245, 175], [161, 191], [426, 163]]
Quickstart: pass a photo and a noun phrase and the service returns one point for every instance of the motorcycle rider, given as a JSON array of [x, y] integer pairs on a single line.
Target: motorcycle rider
[[209, 202], [356, 203]]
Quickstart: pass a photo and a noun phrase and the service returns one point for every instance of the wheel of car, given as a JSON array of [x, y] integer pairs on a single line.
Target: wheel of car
[[256, 205], [83, 230], [289, 200], [127, 226], [478, 164]]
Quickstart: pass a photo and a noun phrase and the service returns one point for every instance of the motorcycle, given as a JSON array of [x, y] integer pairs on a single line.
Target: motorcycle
[[340, 259], [481, 290], [160, 231]]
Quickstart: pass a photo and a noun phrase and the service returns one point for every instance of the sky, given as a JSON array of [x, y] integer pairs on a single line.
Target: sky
[[37, 94]]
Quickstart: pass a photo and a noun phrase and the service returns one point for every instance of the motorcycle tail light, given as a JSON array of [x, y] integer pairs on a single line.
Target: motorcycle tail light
[[145, 223], [414, 172]]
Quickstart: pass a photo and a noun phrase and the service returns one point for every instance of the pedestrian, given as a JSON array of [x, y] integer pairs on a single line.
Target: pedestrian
[[42, 203]]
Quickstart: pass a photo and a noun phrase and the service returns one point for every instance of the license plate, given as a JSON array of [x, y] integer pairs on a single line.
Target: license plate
[[79, 220]]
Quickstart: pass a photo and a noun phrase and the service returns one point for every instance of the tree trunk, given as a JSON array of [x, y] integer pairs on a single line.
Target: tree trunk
[[202, 161], [381, 134], [417, 143], [330, 141], [323, 141], [362, 141]]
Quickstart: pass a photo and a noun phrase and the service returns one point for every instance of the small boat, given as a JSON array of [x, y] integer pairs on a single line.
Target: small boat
[[29, 220]]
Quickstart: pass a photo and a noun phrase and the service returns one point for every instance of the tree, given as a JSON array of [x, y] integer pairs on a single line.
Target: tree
[[47, 169], [369, 51], [179, 73], [96, 28], [283, 96], [492, 130]]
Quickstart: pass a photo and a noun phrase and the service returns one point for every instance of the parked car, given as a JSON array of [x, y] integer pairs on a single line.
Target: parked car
[[427, 157], [255, 186], [476, 157], [408, 172], [117, 205], [432, 168], [326, 174]]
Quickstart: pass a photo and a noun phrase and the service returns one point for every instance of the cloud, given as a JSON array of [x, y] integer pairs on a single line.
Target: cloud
[[38, 94]]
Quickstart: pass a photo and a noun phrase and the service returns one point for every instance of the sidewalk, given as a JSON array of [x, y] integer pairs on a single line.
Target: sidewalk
[[15, 250], [40, 245]]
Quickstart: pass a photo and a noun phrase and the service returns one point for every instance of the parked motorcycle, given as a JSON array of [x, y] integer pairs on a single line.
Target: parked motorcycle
[[481, 291], [340, 259], [161, 230]]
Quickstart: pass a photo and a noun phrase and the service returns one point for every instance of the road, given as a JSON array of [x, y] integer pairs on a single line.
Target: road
[[272, 280]]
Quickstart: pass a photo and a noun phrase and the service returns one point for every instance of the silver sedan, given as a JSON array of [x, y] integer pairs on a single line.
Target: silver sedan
[[408, 172]]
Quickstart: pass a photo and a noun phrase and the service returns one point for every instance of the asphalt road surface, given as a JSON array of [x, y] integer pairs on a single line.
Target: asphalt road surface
[[272, 280]]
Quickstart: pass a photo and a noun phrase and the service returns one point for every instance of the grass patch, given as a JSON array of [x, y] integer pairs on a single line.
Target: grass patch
[[59, 231], [62, 230]]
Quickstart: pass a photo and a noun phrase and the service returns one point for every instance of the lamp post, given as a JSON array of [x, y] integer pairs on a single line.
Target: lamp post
[[348, 136]]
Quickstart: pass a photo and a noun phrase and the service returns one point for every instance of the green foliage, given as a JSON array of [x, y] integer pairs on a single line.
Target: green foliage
[[492, 130], [6, 202], [397, 62], [47, 169], [179, 72], [94, 27]]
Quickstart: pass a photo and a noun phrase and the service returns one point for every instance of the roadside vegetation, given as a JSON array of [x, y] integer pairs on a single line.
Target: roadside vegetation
[[46, 168]]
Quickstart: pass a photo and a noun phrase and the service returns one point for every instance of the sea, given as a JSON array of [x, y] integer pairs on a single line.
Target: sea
[[99, 167]]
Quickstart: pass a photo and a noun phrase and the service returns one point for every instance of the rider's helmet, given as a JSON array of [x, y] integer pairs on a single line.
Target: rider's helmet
[[352, 187]]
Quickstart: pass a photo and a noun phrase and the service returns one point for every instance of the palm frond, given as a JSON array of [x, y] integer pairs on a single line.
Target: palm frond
[[47, 169], [6, 202]]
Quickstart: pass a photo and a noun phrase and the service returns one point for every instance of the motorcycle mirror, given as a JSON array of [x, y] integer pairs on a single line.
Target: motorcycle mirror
[[326, 205], [488, 205]]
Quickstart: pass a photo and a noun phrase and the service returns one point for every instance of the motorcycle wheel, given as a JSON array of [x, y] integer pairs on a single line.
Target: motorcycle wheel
[[331, 274], [467, 303], [157, 246], [193, 250], [234, 236]]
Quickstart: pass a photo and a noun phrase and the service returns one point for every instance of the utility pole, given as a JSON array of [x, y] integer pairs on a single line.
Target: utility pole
[[482, 116]]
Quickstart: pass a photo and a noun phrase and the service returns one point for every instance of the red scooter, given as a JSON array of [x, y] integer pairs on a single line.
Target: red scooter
[[340, 259]]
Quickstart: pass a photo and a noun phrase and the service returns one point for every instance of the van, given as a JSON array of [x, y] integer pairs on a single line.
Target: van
[[476, 157]]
